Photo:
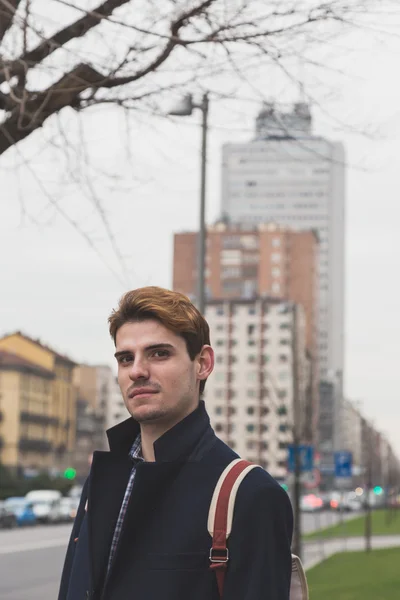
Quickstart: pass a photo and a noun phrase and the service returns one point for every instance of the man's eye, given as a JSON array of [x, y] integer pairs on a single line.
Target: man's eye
[[125, 359], [160, 353]]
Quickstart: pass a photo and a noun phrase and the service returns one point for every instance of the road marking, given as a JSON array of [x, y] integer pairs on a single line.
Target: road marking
[[27, 547]]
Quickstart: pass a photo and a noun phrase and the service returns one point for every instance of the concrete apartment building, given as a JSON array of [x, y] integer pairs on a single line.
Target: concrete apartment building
[[37, 405], [265, 260], [250, 395], [289, 176]]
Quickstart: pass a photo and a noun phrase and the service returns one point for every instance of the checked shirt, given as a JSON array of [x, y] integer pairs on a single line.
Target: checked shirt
[[136, 456]]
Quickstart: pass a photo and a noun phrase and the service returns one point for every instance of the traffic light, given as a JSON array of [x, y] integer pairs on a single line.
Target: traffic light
[[378, 490], [70, 473]]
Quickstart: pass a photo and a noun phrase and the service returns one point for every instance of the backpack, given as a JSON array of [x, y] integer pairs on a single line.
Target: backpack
[[219, 526]]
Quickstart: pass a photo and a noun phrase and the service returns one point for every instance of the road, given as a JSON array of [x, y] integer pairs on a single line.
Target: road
[[31, 558]]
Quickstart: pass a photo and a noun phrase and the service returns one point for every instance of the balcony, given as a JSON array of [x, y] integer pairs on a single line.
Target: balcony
[[35, 445], [29, 417]]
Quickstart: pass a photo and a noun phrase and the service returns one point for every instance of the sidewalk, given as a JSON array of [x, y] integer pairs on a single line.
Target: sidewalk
[[316, 551]]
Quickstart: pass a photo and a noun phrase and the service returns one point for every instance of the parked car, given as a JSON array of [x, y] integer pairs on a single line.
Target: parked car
[[46, 505], [68, 509], [311, 503], [22, 509], [8, 520]]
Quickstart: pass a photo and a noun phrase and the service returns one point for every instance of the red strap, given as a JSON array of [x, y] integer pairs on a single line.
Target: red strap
[[219, 555]]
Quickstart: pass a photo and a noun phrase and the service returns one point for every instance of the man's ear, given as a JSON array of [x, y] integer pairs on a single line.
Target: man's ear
[[205, 363]]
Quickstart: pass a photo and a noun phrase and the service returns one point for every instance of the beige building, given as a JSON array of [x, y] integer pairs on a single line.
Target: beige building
[[38, 405], [259, 346], [98, 385], [266, 260]]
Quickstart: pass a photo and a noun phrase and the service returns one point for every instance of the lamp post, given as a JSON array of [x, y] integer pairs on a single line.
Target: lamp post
[[184, 109]]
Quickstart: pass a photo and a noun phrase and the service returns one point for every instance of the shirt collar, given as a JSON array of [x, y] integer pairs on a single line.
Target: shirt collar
[[136, 450]]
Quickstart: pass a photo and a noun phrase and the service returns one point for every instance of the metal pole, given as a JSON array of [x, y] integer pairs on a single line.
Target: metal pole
[[296, 543], [202, 225]]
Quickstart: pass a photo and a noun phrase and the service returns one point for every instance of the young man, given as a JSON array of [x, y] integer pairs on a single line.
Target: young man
[[141, 528]]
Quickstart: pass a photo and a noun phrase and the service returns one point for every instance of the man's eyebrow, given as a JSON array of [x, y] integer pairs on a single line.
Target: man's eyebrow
[[161, 345]]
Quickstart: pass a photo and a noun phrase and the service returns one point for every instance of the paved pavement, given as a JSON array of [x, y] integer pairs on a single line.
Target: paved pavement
[[316, 552], [31, 559]]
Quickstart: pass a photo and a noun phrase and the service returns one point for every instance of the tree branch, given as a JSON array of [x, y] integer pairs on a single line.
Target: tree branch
[[8, 8], [75, 30]]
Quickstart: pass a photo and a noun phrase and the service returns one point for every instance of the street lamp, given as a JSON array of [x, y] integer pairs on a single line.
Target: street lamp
[[185, 108]]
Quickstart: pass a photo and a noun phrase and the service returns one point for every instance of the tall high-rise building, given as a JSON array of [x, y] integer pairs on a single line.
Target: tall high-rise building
[[290, 176], [264, 260], [253, 397]]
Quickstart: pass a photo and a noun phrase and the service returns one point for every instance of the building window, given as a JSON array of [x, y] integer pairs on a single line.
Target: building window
[[282, 410], [283, 428], [251, 393], [284, 342], [282, 445], [283, 358], [218, 410], [250, 444], [282, 394], [265, 326], [220, 376], [250, 410], [219, 359], [250, 428], [220, 327], [250, 329], [265, 359], [251, 342], [252, 376], [264, 445], [276, 288], [219, 427], [252, 310], [219, 393], [219, 310], [219, 342], [276, 272], [264, 411], [276, 242], [264, 428], [276, 257]]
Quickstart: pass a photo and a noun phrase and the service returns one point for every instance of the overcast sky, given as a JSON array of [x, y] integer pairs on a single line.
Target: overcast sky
[[54, 285]]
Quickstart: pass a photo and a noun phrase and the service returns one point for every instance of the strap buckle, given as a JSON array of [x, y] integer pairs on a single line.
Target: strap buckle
[[222, 555]]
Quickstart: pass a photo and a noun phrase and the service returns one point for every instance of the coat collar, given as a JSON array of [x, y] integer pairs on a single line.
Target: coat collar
[[175, 444]]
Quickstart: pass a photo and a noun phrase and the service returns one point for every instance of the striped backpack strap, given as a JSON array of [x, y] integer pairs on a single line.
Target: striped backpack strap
[[220, 515]]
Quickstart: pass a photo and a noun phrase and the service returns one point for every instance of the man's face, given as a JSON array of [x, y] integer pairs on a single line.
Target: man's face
[[158, 381]]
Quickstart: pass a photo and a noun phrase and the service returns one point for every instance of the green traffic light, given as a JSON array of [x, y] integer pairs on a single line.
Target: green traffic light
[[378, 490], [70, 473]]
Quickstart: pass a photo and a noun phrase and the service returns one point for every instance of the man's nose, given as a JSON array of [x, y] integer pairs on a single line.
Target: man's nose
[[139, 369]]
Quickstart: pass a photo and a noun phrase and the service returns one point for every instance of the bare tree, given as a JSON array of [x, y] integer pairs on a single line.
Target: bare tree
[[124, 51]]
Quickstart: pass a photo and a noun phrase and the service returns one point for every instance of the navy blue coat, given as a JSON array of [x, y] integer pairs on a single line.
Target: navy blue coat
[[164, 545]]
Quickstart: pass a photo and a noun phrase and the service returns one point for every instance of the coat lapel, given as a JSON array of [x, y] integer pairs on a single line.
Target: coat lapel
[[108, 480]]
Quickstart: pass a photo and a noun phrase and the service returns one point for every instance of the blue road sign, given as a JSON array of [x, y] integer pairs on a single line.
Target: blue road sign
[[305, 455], [343, 464]]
